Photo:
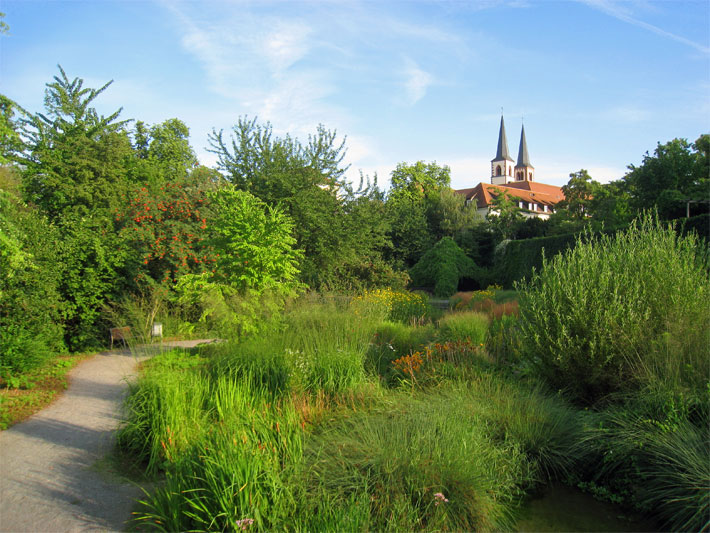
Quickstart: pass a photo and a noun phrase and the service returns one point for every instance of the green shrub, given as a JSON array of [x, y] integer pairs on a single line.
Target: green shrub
[[590, 318], [31, 308], [442, 267], [465, 325], [226, 311]]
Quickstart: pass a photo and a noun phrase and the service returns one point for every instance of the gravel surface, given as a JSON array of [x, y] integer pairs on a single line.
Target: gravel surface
[[51, 478]]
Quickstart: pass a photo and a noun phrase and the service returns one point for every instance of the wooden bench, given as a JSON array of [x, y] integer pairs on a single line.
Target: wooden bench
[[120, 334]]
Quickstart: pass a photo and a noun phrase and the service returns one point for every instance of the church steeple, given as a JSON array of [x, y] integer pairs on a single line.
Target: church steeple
[[502, 152], [523, 170], [502, 165]]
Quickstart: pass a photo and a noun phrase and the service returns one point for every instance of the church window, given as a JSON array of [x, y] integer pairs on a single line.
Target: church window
[[510, 171], [498, 170]]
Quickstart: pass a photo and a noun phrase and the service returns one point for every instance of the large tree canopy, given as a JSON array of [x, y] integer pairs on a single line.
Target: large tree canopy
[[676, 173], [74, 158], [307, 181]]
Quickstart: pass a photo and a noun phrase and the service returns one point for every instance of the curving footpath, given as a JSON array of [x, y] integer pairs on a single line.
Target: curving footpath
[[49, 479]]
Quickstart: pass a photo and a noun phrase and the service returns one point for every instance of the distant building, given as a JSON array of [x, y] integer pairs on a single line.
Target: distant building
[[533, 198]]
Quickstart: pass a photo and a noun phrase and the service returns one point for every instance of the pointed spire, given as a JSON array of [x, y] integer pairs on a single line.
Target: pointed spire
[[502, 152], [523, 157]]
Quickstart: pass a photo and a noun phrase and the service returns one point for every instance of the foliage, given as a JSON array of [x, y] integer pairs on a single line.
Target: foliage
[[307, 182], [164, 230], [10, 140], [675, 173], [90, 257], [75, 158], [253, 243], [420, 178], [579, 192], [505, 214], [421, 209], [162, 153], [442, 267], [516, 260], [592, 317], [227, 311], [30, 305]]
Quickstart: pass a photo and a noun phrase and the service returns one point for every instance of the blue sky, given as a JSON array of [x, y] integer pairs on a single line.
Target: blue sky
[[597, 82]]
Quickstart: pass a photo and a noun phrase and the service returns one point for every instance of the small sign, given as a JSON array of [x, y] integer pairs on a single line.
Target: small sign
[[157, 330]]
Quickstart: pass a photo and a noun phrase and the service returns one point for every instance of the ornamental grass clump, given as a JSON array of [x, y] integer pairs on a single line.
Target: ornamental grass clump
[[425, 464], [464, 325], [592, 319]]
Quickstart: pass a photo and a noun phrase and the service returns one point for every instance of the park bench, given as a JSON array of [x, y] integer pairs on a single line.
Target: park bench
[[120, 334]]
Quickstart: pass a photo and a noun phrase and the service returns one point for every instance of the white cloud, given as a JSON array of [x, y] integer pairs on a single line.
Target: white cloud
[[287, 43], [416, 82], [621, 11]]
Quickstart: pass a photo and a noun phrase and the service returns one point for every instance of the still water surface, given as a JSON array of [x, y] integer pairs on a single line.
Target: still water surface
[[563, 508]]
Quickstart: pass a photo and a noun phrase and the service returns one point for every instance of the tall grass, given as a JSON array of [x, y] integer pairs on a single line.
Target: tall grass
[[164, 411], [397, 462], [240, 471], [464, 325], [392, 340]]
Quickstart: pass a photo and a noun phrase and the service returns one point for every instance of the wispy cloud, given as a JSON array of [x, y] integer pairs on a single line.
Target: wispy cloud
[[627, 114], [622, 12], [416, 82]]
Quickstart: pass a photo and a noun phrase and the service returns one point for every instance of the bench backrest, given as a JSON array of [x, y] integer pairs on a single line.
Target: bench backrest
[[120, 333]]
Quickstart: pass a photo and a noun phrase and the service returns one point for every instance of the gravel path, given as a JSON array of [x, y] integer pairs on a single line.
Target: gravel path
[[49, 479]]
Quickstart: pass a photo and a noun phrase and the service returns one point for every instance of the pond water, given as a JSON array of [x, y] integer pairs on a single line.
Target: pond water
[[563, 508]]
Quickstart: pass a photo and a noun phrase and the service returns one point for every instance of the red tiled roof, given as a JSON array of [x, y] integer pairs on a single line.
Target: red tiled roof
[[526, 191]]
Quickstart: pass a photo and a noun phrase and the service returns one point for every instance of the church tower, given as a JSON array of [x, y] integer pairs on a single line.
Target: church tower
[[523, 170], [502, 165]]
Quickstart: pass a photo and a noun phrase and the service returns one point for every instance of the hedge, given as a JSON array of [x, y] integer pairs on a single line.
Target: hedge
[[515, 260]]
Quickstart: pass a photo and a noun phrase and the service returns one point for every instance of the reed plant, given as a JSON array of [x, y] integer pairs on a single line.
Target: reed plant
[[545, 426], [164, 411], [239, 473]]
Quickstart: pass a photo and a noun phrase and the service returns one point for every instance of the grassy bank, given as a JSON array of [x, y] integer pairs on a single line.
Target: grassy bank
[[26, 394]]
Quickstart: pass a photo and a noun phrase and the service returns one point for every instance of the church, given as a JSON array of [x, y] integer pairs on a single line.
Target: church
[[517, 180]]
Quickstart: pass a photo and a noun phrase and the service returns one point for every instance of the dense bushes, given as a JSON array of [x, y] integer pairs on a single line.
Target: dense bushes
[[441, 268], [593, 319], [30, 305]]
